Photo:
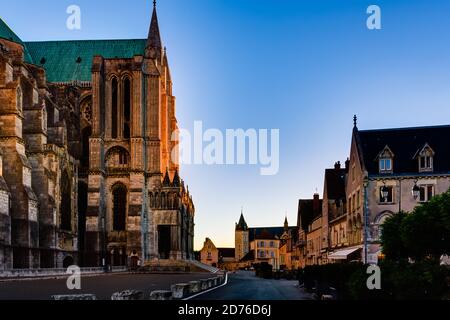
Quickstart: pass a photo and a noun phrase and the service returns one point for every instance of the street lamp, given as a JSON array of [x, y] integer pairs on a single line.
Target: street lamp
[[385, 193], [416, 191]]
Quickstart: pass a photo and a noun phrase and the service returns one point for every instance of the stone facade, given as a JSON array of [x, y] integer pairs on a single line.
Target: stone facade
[[89, 167], [39, 173], [209, 254], [395, 161]]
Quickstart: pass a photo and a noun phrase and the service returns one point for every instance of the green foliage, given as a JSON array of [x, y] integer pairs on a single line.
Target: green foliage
[[331, 275], [421, 235], [393, 246], [399, 281]]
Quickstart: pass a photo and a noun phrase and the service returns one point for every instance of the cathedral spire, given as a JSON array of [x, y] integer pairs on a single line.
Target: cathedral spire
[[154, 36]]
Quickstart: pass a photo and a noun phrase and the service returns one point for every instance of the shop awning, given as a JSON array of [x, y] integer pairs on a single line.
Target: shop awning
[[344, 253]]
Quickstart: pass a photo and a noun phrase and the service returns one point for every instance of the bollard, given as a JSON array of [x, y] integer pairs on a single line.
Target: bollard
[[161, 295], [195, 286], [180, 291], [213, 282], [128, 295], [204, 284], [74, 297]]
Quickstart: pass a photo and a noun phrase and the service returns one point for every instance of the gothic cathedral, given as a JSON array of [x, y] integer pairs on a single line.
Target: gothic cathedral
[[87, 168]]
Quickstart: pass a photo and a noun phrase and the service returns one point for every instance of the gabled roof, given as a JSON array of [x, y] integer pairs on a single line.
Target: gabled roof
[[405, 144], [67, 61]]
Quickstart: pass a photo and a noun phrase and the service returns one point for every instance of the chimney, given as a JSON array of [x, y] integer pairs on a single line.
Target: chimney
[[347, 165], [316, 203], [337, 166]]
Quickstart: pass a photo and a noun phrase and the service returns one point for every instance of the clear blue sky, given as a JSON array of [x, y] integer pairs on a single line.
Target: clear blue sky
[[304, 67]]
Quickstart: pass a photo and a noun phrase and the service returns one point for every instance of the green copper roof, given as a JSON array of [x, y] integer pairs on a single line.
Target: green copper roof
[[8, 34], [66, 61]]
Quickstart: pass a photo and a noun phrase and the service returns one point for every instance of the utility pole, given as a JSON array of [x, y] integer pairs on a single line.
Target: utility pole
[[366, 221]]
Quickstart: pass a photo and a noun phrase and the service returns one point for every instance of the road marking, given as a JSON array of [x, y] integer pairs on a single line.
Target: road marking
[[212, 289]]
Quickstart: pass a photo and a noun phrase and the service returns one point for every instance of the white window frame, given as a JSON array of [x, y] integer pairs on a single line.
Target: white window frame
[[426, 198], [427, 161], [383, 165]]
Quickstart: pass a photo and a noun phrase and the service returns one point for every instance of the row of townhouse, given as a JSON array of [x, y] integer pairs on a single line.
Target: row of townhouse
[[388, 171]]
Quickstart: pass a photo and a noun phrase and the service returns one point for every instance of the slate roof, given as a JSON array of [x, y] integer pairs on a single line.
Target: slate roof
[[66, 61], [405, 143], [242, 225], [266, 233]]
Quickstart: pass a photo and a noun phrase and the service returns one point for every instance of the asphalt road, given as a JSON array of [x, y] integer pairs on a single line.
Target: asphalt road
[[243, 285], [102, 286]]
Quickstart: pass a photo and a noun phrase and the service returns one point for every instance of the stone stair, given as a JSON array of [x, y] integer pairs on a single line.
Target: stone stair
[[180, 266], [204, 266]]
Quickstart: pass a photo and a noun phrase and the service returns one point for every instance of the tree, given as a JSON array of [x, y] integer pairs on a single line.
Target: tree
[[423, 234], [393, 246], [426, 232]]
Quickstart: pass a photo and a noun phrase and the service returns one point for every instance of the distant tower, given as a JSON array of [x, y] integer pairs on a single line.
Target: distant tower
[[286, 225], [241, 238]]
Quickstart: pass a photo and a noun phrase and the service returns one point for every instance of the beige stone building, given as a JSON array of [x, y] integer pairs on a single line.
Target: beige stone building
[[335, 212], [261, 244], [85, 142], [209, 254], [392, 170], [309, 236]]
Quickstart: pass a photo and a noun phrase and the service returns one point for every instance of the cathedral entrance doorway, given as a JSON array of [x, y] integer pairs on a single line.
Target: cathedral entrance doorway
[[164, 241]]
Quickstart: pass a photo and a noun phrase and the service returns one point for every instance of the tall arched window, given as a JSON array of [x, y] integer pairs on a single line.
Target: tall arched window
[[65, 208], [86, 134], [126, 107], [119, 207], [114, 107]]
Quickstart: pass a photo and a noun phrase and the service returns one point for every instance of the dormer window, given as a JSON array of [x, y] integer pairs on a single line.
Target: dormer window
[[385, 165], [425, 159], [426, 163], [385, 160]]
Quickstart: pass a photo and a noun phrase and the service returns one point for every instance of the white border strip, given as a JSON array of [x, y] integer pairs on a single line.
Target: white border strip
[[209, 290]]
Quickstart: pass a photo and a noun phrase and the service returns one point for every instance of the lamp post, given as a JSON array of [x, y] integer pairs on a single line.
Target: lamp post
[[416, 191], [366, 221], [385, 192]]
